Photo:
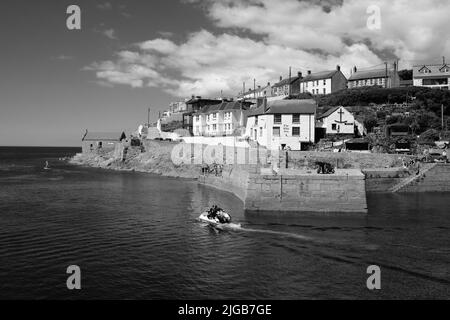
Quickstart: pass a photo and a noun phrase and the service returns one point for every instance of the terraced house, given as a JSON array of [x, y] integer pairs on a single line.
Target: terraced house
[[382, 77], [324, 82], [287, 86], [432, 76], [224, 119]]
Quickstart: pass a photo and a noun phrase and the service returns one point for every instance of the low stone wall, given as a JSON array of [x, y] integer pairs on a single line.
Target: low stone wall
[[382, 180], [435, 180], [343, 160]]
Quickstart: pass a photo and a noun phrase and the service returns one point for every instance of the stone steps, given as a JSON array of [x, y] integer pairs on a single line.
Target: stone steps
[[408, 181]]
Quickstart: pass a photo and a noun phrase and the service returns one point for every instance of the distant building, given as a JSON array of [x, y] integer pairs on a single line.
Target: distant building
[[385, 78], [253, 94], [194, 105], [324, 82], [95, 142], [288, 86], [283, 124], [336, 121], [224, 119], [432, 76], [179, 106]]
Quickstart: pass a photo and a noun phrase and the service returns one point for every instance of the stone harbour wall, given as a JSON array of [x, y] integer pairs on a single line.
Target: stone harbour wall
[[339, 193], [343, 192]]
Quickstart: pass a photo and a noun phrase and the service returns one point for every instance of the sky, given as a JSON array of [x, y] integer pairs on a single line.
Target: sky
[[130, 55]]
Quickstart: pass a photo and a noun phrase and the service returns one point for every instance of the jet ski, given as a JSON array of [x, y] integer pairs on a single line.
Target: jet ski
[[215, 216], [220, 218]]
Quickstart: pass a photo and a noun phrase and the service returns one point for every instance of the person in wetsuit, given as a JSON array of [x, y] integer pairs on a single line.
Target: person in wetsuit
[[213, 211]]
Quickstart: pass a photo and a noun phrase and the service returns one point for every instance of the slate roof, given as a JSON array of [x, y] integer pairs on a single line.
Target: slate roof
[[285, 82], [320, 75], [307, 106], [233, 105], [436, 70], [328, 113], [104, 136], [369, 74]]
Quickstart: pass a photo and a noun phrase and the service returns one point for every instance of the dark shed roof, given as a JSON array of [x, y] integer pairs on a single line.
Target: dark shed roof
[[104, 136]]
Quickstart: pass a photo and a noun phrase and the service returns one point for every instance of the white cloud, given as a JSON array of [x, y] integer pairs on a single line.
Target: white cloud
[[307, 35]]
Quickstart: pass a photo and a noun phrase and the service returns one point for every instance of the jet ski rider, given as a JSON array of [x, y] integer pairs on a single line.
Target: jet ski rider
[[213, 211]]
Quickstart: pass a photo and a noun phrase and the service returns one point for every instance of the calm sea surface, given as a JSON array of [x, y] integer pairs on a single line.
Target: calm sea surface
[[136, 236]]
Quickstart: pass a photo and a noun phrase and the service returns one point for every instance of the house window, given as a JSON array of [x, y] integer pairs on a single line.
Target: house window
[[277, 118], [260, 132], [276, 131], [334, 126], [256, 120], [295, 131], [324, 91], [214, 127], [324, 82], [295, 118]]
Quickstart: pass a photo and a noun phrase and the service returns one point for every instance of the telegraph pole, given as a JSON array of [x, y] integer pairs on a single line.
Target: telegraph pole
[[254, 88], [442, 116], [386, 84], [290, 69], [148, 118]]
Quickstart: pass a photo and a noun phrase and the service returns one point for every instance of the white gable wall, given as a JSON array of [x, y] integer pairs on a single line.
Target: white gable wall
[[335, 119]]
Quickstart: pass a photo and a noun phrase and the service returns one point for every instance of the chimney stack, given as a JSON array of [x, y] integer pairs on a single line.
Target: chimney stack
[[259, 87], [268, 84], [309, 72], [281, 78], [355, 69], [299, 74], [338, 68]]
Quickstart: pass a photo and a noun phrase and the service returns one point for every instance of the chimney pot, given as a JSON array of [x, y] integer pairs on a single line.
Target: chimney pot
[[299, 74], [281, 78], [338, 68], [355, 69], [268, 84], [259, 87], [309, 72]]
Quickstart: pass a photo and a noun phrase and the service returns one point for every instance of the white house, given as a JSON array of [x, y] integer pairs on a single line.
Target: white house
[[284, 123], [337, 120], [324, 82], [224, 119], [384, 77], [432, 76]]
